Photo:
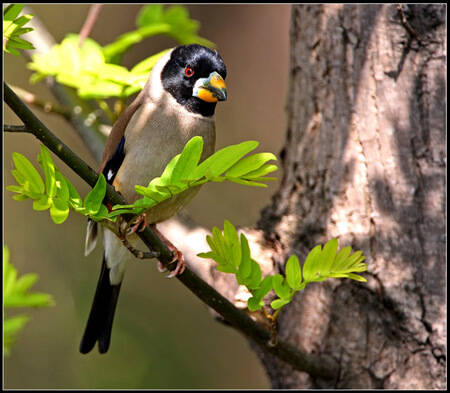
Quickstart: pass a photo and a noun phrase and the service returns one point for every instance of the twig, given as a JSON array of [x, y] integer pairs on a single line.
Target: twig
[[93, 13], [13, 128], [323, 367], [46, 106], [139, 254]]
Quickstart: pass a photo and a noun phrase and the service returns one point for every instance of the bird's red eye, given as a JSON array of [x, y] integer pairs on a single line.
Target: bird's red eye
[[188, 71]]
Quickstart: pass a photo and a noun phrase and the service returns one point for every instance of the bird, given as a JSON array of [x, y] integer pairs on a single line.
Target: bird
[[177, 103]]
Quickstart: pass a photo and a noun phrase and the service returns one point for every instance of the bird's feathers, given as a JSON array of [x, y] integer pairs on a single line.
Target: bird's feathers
[[147, 135], [101, 317]]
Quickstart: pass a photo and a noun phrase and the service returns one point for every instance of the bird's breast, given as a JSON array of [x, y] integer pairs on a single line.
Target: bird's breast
[[154, 135]]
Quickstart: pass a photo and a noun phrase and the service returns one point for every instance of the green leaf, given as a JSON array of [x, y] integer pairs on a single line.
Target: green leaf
[[249, 164], [328, 256], [311, 263], [62, 189], [20, 178], [245, 265], [95, 197], [25, 282], [223, 159], [146, 65], [48, 167], [16, 294], [262, 171], [59, 211], [12, 29], [247, 182], [43, 203], [102, 214], [74, 197], [20, 43], [28, 300], [28, 171], [20, 197], [232, 244], [176, 17], [17, 189], [278, 303], [282, 290], [150, 14], [254, 280], [188, 159], [113, 51], [293, 272], [11, 327], [219, 247], [356, 277], [24, 19], [12, 11], [95, 89], [255, 302], [340, 259]]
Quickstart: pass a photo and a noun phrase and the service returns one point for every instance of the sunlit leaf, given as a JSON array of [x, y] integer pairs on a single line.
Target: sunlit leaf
[[48, 167], [94, 198], [293, 272], [327, 257], [29, 172], [59, 210], [311, 263], [223, 159]]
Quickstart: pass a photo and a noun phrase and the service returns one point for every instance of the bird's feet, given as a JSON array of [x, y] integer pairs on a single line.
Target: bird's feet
[[139, 224], [177, 256]]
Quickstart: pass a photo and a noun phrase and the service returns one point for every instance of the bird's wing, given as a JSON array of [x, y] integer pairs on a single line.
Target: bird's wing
[[114, 141], [113, 156]]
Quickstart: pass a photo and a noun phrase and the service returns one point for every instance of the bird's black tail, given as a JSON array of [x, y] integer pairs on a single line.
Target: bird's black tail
[[100, 320]]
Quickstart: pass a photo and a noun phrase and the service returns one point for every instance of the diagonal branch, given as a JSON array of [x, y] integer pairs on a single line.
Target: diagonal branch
[[323, 367]]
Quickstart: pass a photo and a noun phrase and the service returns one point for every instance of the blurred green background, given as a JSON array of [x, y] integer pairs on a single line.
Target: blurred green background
[[163, 336]]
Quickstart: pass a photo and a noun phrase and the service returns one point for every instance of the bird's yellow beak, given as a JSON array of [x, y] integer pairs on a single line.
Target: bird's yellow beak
[[211, 89]]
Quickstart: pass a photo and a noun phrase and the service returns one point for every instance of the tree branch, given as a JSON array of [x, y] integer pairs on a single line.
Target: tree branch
[[89, 23], [323, 367]]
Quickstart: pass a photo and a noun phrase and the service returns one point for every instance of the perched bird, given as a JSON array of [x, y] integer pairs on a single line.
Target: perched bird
[[176, 104]]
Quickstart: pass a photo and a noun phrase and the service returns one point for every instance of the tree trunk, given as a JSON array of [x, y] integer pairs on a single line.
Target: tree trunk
[[364, 161]]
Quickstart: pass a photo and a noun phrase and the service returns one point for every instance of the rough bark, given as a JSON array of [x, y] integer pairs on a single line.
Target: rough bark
[[364, 161]]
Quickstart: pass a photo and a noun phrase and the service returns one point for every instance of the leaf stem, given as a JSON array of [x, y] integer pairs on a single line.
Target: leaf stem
[[46, 106]]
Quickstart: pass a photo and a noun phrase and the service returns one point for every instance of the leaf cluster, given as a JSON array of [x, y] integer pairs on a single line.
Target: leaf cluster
[[184, 171], [55, 192], [13, 28], [94, 71], [156, 19], [16, 294], [232, 255]]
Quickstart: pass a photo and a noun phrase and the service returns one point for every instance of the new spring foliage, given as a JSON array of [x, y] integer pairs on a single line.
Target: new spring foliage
[[232, 254], [57, 194]]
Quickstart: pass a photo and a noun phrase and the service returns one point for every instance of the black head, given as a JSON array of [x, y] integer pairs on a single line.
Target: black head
[[194, 76]]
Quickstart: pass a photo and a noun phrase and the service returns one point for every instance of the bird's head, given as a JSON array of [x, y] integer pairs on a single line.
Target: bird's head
[[195, 77]]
